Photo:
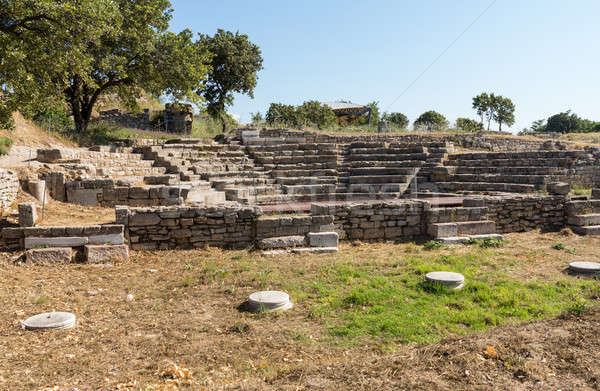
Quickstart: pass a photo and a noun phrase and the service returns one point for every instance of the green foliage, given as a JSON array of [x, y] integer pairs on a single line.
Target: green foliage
[[316, 114], [79, 50], [55, 118], [431, 120], [398, 119], [374, 114], [566, 122], [257, 117], [558, 246], [494, 107], [468, 125], [432, 245], [234, 67], [5, 144], [310, 113]]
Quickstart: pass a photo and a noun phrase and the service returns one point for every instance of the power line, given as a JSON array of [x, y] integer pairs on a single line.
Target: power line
[[442, 53]]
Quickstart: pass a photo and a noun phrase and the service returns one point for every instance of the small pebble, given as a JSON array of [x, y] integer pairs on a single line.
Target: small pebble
[[129, 297]]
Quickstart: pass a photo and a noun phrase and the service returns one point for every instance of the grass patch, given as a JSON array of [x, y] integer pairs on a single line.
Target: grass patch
[[580, 190], [5, 144], [366, 301]]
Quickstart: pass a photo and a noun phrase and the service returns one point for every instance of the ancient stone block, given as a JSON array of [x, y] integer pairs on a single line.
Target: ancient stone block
[[105, 253], [27, 214], [56, 254]]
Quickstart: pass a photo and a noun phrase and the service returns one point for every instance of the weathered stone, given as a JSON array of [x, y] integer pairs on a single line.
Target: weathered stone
[[323, 239], [282, 242], [559, 188], [449, 280], [50, 255], [143, 219], [50, 321], [105, 253], [27, 214], [33, 242], [269, 301]]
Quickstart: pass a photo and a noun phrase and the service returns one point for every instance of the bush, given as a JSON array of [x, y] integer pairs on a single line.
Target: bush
[[55, 118], [5, 144], [432, 245]]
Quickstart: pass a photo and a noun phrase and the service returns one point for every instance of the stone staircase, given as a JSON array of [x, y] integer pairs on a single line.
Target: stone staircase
[[508, 172], [584, 216], [456, 225]]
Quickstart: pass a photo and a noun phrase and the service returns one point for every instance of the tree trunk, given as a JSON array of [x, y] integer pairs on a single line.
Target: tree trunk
[[499, 126]]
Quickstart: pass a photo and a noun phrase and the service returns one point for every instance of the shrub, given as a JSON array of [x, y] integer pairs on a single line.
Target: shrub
[[432, 245], [5, 144]]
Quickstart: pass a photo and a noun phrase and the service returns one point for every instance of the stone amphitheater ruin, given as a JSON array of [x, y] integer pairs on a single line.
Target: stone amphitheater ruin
[[284, 190]]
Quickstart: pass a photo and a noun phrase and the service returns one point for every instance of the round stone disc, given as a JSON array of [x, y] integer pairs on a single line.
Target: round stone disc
[[50, 320], [585, 267], [269, 301], [448, 278]]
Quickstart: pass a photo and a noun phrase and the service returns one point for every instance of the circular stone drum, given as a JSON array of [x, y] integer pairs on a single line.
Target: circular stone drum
[[449, 280], [585, 268], [269, 301], [50, 320]]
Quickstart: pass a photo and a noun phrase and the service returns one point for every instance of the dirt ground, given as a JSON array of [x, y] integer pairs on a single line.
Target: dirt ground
[[184, 312]]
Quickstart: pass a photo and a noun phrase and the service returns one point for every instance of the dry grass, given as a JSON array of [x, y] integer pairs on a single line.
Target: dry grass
[[185, 312], [26, 133]]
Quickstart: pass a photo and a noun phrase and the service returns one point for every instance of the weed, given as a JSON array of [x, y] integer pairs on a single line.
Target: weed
[[433, 245], [558, 246]]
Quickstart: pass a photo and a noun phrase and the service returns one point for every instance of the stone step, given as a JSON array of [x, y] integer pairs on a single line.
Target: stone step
[[393, 151], [463, 228], [499, 178], [550, 162], [379, 179], [513, 170], [520, 155], [585, 220], [314, 180], [583, 207], [486, 186], [587, 230], [309, 189], [303, 172], [398, 188], [387, 157], [464, 239], [223, 183], [382, 170], [116, 172], [457, 214], [384, 163], [281, 242]]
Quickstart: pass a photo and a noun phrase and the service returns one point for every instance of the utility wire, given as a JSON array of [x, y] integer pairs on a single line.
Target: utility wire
[[442, 53]]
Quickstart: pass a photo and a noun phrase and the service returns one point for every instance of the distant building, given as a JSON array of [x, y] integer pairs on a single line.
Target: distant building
[[342, 109]]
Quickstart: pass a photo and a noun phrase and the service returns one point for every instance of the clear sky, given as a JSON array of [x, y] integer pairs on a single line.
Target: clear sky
[[543, 54]]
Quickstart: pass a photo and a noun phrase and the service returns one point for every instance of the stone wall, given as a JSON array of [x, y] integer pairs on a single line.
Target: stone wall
[[525, 213], [189, 227], [105, 192], [9, 187], [127, 120], [479, 141], [381, 220], [71, 236]]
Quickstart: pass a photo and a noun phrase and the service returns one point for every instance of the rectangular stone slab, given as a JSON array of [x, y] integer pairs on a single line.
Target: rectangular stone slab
[[57, 254], [323, 239], [106, 239], [74, 241], [105, 253]]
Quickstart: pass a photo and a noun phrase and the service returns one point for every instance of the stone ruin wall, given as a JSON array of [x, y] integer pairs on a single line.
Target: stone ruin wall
[[126, 120], [525, 213], [469, 141], [9, 187]]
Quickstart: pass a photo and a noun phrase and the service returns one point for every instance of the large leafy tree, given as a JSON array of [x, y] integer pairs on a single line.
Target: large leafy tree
[[234, 68], [431, 120], [80, 50], [504, 111], [484, 106], [468, 124], [398, 119], [314, 113], [566, 122]]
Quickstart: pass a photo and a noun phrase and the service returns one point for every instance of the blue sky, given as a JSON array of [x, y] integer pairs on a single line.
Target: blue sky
[[543, 54]]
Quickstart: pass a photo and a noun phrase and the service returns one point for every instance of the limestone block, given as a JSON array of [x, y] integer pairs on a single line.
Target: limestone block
[[57, 254], [32, 242], [595, 194], [323, 239], [106, 239], [281, 242], [27, 214], [144, 219], [558, 188], [37, 189], [105, 253], [87, 197]]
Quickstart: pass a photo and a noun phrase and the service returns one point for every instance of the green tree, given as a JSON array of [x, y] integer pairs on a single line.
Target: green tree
[[431, 120], [468, 124], [504, 111], [566, 122], [280, 114], [80, 50], [234, 68], [374, 118], [484, 105], [257, 117], [314, 113], [398, 119]]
